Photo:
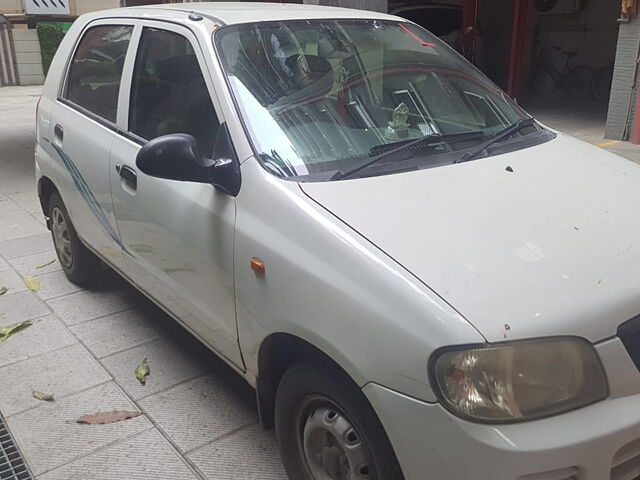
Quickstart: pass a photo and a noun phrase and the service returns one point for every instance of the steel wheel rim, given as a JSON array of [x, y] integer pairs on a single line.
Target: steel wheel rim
[[61, 237], [331, 447]]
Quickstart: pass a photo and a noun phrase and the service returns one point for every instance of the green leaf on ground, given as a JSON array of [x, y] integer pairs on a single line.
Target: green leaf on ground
[[143, 371], [32, 283], [46, 264], [45, 397], [3, 290], [102, 418], [9, 330]]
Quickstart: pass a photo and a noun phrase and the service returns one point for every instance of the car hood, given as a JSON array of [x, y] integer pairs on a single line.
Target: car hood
[[552, 248]]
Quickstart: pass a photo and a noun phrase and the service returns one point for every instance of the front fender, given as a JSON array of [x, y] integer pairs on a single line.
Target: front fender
[[329, 286]]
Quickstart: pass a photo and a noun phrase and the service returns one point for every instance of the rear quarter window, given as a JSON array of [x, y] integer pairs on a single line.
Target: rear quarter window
[[95, 73]]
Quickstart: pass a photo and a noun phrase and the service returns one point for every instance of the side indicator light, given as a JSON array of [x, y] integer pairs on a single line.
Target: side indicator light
[[257, 266]]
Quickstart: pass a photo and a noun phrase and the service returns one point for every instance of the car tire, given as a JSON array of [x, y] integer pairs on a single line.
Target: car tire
[[79, 264], [320, 414]]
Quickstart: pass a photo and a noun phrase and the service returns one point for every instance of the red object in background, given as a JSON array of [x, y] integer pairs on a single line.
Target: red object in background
[[416, 37], [521, 9]]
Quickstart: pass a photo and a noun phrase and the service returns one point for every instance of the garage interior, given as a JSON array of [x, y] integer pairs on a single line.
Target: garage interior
[[556, 57]]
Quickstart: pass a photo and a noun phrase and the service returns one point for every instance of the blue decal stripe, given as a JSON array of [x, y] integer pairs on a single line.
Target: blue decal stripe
[[88, 196]]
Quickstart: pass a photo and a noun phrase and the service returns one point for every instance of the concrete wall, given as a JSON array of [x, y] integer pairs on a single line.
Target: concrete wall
[[28, 57], [593, 32], [78, 7], [10, 6], [621, 104]]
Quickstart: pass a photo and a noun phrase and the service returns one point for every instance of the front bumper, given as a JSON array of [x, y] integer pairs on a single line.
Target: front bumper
[[599, 442]]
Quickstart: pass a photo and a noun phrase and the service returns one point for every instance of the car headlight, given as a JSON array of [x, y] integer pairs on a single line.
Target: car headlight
[[518, 381]]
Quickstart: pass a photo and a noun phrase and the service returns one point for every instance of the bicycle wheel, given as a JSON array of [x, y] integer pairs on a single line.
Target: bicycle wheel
[[601, 85], [577, 81]]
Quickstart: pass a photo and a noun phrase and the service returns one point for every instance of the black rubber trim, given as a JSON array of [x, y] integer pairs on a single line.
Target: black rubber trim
[[629, 333]]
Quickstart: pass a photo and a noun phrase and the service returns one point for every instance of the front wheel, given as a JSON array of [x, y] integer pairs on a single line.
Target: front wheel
[[328, 431]]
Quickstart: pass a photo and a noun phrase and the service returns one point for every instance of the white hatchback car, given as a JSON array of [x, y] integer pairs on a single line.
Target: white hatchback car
[[418, 279]]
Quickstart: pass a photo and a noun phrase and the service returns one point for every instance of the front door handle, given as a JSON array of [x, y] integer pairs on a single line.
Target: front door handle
[[129, 175]]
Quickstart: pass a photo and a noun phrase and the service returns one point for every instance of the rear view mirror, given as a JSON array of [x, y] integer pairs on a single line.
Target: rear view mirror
[[177, 157]]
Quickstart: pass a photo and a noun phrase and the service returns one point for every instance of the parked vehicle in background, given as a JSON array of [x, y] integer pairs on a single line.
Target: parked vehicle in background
[[416, 276]]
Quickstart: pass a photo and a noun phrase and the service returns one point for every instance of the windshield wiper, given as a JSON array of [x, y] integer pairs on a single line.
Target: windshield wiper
[[426, 140], [495, 138]]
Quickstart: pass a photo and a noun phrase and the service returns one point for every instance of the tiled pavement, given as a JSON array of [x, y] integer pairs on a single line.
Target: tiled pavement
[[199, 417]]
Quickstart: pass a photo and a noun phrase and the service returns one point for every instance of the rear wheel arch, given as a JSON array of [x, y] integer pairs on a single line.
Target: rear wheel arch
[[278, 352], [46, 188]]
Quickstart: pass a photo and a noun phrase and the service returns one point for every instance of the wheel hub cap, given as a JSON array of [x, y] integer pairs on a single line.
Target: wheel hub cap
[[333, 449], [61, 238]]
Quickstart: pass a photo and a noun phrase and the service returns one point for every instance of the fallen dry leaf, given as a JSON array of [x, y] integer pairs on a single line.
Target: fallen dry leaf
[[3, 290], [102, 418], [46, 264], [45, 397], [6, 332], [32, 283], [143, 371]]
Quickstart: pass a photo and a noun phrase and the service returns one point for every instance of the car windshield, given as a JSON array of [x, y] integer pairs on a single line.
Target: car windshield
[[320, 97]]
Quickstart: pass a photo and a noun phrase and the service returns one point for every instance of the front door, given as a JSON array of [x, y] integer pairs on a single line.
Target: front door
[[177, 236]]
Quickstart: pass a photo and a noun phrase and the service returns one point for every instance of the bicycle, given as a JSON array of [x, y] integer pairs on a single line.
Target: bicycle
[[575, 81]]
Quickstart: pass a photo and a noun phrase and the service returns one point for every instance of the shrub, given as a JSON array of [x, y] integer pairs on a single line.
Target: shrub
[[50, 36]]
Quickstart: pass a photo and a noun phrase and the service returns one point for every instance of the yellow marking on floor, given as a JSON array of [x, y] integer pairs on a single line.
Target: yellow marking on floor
[[607, 144]]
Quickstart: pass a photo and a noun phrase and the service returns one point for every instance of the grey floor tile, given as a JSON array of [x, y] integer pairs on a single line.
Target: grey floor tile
[[22, 229], [49, 436], [45, 335], [87, 305], [12, 281], [146, 456], [13, 217], [55, 284], [20, 247], [21, 306], [9, 208], [32, 207], [25, 196], [250, 454], [4, 265], [28, 265], [60, 372], [120, 331], [201, 410], [170, 364]]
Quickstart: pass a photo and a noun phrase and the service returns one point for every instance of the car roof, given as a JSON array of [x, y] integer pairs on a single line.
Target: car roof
[[229, 13]]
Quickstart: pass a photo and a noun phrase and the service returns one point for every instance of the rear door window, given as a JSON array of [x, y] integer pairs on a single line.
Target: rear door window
[[95, 73], [168, 91]]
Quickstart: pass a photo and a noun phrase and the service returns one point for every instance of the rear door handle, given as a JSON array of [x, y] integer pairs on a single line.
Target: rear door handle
[[58, 132], [129, 175]]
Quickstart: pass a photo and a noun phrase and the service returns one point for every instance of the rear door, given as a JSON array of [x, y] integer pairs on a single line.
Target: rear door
[[177, 236], [83, 128]]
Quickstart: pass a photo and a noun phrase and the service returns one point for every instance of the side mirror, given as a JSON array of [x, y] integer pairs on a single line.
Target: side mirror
[[177, 157]]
